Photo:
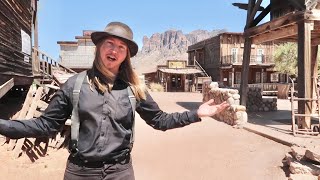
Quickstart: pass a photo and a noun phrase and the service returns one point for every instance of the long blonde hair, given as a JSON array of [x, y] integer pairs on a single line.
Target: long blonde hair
[[126, 73]]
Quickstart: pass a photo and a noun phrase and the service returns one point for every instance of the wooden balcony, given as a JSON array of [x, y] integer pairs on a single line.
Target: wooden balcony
[[254, 60]]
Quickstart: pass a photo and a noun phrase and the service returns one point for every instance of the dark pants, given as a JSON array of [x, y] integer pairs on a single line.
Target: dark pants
[[120, 171]]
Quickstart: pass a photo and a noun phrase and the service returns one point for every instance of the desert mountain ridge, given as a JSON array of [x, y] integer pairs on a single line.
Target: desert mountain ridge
[[169, 45]]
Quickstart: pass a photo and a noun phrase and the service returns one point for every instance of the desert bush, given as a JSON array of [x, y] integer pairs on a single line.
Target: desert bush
[[155, 87]]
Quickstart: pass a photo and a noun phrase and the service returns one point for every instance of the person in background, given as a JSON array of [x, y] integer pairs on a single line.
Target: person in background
[[105, 133]]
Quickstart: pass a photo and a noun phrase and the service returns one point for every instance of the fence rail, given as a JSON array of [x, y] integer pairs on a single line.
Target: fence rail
[[45, 63]]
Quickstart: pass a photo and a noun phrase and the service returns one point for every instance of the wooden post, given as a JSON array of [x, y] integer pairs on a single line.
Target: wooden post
[[35, 58], [232, 77], [304, 72], [261, 80], [245, 71], [246, 56], [221, 77], [314, 68]]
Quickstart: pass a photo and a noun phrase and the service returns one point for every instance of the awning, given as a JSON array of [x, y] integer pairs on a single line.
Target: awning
[[181, 71]]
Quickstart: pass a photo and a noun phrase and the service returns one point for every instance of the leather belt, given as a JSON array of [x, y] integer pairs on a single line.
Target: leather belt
[[98, 164]]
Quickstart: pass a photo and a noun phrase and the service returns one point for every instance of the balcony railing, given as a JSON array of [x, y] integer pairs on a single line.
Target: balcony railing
[[254, 59]]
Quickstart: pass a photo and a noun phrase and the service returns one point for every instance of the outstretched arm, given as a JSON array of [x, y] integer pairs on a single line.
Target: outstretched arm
[[209, 108]]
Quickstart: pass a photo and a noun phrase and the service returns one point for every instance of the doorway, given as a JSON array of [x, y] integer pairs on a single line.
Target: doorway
[[176, 83]]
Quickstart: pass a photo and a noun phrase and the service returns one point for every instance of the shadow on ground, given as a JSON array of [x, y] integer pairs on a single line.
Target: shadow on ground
[[280, 116], [189, 105]]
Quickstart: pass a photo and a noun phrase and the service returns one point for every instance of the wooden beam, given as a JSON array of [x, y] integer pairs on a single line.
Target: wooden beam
[[250, 8], [275, 35], [246, 58], [4, 88], [304, 72], [245, 6], [263, 14], [254, 11], [314, 75], [286, 20], [245, 71]]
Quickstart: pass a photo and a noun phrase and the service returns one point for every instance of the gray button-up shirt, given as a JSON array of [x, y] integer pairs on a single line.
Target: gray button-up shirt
[[105, 119]]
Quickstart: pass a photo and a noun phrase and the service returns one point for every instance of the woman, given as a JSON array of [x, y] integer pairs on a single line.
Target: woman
[[105, 135]]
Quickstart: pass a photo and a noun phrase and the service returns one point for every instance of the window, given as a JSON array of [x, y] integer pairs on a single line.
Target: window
[[234, 55], [260, 55], [282, 78], [230, 79], [258, 77], [274, 77], [264, 77], [238, 77]]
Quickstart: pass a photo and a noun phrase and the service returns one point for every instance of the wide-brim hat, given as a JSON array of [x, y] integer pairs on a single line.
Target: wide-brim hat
[[119, 30]]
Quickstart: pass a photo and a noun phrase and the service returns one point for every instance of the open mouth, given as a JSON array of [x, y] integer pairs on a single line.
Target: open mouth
[[111, 58]]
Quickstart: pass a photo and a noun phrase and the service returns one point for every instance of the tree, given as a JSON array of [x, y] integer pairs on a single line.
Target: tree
[[286, 58]]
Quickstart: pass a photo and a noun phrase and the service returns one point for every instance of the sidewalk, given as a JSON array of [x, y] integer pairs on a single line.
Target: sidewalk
[[277, 125]]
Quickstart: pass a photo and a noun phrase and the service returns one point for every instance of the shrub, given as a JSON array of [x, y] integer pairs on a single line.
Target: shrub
[[155, 87]]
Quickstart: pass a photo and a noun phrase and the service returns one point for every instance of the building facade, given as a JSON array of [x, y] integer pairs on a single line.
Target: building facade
[[177, 76], [77, 55], [221, 57], [17, 29]]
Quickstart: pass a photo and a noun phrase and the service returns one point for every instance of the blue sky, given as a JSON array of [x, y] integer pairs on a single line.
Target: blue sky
[[62, 20]]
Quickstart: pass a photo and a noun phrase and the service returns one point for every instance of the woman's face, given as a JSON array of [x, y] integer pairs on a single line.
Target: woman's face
[[113, 51]]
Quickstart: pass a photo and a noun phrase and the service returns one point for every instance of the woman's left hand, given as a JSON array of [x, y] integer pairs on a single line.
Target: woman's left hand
[[209, 108]]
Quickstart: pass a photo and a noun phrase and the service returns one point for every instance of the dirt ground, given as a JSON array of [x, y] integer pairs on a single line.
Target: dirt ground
[[202, 151]]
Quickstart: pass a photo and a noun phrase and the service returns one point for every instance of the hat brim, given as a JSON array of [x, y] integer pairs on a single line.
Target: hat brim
[[96, 37]]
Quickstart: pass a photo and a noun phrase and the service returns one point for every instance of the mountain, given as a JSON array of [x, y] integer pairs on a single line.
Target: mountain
[[172, 44]]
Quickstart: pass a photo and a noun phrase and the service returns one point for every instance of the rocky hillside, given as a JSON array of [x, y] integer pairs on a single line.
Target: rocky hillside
[[171, 44]]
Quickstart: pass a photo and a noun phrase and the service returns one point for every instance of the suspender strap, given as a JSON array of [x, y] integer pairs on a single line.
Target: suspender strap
[[133, 102], [75, 122]]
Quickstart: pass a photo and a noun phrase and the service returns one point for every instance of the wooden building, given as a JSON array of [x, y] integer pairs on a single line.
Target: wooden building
[[77, 55], [222, 56], [291, 21], [177, 76], [21, 62], [18, 19]]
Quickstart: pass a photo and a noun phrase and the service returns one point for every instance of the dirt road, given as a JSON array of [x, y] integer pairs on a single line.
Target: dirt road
[[202, 151]]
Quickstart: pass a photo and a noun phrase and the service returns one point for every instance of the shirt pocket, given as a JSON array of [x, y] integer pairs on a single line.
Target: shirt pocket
[[124, 112]]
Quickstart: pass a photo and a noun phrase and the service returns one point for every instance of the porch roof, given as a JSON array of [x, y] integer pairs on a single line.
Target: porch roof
[[180, 71]]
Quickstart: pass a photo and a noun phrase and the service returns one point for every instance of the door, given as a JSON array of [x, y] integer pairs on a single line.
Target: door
[[176, 83]]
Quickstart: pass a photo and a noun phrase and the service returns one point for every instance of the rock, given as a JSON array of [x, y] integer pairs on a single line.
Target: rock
[[298, 152], [304, 167], [302, 177], [236, 96], [313, 154]]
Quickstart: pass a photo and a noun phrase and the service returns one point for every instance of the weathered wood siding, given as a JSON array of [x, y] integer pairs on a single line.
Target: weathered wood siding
[[15, 18], [77, 55], [226, 50], [236, 41], [207, 53]]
